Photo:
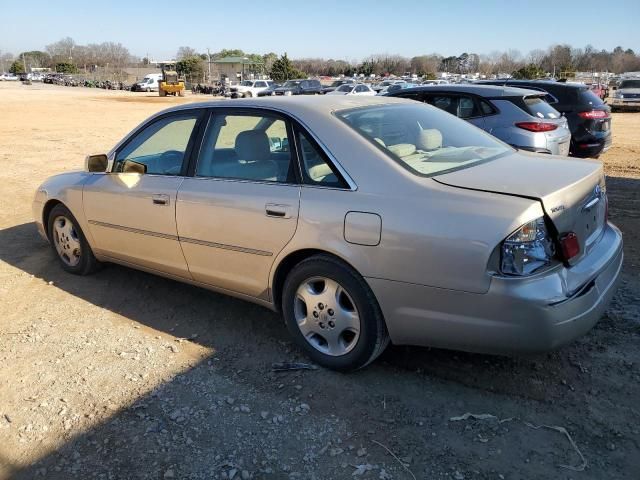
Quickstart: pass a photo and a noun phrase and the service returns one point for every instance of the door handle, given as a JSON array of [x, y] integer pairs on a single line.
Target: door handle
[[277, 211], [160, 199]]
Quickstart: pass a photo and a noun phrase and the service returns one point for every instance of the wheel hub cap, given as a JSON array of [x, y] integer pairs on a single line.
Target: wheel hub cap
[[66, 241], [327, 316]]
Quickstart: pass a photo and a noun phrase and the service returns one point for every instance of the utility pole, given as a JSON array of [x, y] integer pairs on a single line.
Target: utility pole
[[24, 63], [209, 62]]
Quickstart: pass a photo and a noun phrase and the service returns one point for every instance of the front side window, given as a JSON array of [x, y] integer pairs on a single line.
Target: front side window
[[424, 140], [246, 147], [158, 149]]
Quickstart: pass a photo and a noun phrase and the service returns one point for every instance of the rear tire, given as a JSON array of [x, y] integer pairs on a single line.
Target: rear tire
[[333, 315], [69, 243]]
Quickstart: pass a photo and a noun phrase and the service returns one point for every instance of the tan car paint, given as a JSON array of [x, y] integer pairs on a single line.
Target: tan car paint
[[437, 241]]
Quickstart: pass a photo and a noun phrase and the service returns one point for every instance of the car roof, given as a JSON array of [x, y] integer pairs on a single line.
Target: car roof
[[540, 83], [488, 91], [296, 104]]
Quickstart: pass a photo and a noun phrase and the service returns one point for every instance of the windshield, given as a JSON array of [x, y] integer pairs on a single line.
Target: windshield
[[337, 83], [291, 83], [344, 88], [247, 83], [630, 84], [424, 139]]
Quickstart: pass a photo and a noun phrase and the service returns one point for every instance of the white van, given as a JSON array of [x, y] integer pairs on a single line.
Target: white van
[[149, 83]]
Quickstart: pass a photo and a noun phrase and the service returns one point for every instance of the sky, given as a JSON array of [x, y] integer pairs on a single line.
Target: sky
[[339, 29]]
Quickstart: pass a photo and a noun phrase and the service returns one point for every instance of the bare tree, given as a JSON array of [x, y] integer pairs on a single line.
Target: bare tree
[[184, 52]]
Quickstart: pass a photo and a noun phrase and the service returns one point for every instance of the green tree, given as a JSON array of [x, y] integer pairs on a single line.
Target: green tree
[[282, 69], [529, 72], [17, 67], [191, 67], [65, 67]]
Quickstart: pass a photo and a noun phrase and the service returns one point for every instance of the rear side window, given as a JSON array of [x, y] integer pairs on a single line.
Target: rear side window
[[486, 108], [460, 106], [537, 107], [317, 169], [587, 97]]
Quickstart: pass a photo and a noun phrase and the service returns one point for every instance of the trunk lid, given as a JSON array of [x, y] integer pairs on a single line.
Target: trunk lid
[[572, 191]]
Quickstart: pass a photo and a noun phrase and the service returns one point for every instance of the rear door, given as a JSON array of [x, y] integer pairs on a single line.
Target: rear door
[[240, 208]]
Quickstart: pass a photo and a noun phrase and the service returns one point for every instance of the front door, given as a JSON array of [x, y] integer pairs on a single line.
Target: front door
[[241, 207], [131, 210]]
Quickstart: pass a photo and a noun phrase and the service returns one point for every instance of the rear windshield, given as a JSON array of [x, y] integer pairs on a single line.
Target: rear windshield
[[537, 107], [424, 139], [630, 84], [586, 96]]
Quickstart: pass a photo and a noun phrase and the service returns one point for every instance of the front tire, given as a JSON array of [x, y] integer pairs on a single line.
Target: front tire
[[333, 315], [69, 243]]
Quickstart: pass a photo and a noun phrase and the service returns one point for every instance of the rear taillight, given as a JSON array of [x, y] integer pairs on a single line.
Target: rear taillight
[[537, 126], [569, 245], [593, 114]]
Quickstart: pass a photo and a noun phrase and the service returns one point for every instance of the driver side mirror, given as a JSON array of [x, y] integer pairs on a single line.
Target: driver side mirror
[[96, 163]]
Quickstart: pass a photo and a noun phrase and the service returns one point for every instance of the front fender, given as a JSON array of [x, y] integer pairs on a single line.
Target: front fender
[[66, 188]]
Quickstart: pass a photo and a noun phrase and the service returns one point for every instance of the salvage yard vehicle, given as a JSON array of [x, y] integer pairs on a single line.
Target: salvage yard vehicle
[[353, 89], [335, 84], [588, 116], [363, 220], [170, 83], [626, 96], [149, 83], [300, 87], [269, 91], [249, 88], [519, 117]]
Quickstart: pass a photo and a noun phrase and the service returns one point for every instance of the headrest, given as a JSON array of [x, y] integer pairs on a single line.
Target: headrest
[[429, 139], [402, 149], [252, 145]]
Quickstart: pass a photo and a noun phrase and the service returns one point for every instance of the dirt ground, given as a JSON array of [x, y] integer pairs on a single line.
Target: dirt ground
[[126, 375]]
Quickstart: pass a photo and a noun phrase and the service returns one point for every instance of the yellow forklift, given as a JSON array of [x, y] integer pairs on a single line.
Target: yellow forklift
[[171, 83]]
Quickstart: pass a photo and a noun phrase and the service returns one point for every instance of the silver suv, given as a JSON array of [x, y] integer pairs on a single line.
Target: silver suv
[[517, 116]]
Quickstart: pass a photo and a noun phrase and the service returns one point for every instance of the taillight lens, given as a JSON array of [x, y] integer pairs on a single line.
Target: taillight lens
[[593, 114], [537, 126], [570, 245], [527, 250]]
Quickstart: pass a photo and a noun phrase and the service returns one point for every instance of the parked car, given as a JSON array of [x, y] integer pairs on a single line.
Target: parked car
[[300, 87], [9, 77], [599, 90], [363, 220], [396, 87], [589, 117], [353, 89], [269, 91], [519, 117], [435, 82], [336, 84], [249, 88], [149, 83], [626, 96], [385, 83]]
